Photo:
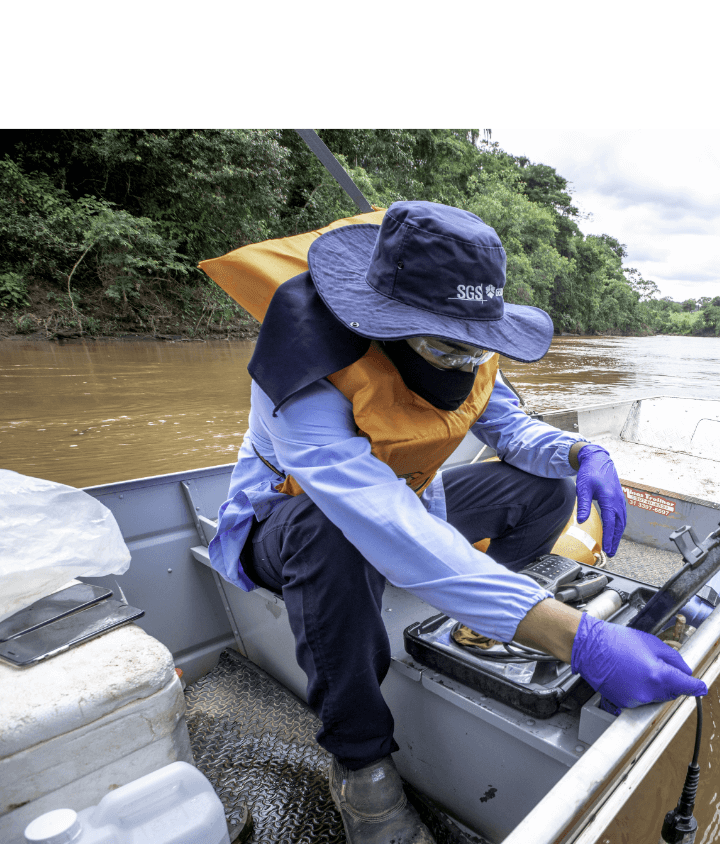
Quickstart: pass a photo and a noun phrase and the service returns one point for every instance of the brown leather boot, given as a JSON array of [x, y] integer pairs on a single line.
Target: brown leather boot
[[374, 807]]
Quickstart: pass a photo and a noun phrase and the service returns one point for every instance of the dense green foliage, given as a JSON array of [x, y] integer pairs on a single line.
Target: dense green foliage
[[102, 230]]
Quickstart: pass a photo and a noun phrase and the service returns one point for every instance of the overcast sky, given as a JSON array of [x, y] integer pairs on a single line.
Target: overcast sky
[[659, 194]]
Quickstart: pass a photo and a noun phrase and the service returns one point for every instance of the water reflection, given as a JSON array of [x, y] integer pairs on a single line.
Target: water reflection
[[90, 412]]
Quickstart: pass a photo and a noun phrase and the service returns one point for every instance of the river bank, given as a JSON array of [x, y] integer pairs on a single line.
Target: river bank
[[176, 313], [241, 331], [181, 313], [47, 324], [53, 319], [64, 336], [34, 329]]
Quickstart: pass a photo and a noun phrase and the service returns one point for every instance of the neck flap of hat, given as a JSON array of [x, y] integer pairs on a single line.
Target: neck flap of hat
[[300, 342]]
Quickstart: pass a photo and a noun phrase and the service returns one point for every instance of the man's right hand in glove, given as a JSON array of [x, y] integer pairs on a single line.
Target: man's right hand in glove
[[628, 667]]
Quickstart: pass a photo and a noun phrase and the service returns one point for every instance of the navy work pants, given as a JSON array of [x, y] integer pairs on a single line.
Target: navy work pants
[[334, 596]]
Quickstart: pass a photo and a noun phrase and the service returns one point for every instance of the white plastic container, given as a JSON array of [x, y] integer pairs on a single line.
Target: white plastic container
[[173, 805]]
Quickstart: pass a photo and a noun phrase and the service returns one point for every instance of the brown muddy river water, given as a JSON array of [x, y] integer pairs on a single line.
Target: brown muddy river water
[[89, 413]]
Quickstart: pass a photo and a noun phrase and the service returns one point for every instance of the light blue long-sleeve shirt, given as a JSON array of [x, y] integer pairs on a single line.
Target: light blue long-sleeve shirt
[[313, 437]]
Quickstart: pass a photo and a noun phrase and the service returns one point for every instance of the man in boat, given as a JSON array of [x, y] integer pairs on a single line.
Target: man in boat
[[369, 370]]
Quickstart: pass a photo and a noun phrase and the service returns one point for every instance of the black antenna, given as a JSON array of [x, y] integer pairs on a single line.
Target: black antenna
[[334, 168]]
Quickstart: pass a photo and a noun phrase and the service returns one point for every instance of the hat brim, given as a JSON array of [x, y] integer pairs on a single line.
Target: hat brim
[[339, 261]]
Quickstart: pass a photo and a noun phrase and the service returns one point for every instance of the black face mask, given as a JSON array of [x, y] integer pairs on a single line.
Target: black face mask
[[445, 389]]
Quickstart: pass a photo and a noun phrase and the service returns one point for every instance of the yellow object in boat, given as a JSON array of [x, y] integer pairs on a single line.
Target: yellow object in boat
[[582, 542]]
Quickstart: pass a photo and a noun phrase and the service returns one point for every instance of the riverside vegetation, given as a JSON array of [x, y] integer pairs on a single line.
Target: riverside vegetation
[[101, 230]]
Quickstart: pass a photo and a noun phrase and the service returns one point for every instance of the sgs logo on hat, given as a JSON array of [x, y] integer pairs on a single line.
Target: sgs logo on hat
[[475, 292]]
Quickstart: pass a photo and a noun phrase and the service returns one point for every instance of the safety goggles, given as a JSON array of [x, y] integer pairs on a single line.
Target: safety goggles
[[448, 354]]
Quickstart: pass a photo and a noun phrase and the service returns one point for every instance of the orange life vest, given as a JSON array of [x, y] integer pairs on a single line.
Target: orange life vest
[[405, 431]]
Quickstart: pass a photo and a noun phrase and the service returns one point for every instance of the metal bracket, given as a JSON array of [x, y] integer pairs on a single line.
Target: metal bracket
[[694, 552], [205, 527]]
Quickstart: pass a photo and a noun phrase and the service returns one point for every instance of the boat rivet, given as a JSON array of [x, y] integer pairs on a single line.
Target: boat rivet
[[530, 722], [169, 571], [354, 325], [579, 749], [389, 609], [119, 496]]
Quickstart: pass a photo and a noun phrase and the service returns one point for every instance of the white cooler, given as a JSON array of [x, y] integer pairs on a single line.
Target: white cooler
[[82, 723]]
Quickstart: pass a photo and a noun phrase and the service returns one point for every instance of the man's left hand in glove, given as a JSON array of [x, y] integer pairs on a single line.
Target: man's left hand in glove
[[597, 479]]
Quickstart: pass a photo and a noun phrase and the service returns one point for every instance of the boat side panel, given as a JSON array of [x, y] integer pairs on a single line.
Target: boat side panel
[[486, 777], [654, 513], [676, 424], [469, 451], [603, 421], [264, 630], [183, 608], [594, 422]]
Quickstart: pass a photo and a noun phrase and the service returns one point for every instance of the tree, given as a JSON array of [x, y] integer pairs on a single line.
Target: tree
[[544, 186], [711, 317], [119, 216], [644, 287]]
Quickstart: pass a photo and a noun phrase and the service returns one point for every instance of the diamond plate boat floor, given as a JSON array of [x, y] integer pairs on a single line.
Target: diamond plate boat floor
[[255, 742]]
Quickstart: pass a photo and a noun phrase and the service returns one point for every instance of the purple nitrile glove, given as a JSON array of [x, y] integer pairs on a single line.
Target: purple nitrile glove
[[630, 667], [597, 478]]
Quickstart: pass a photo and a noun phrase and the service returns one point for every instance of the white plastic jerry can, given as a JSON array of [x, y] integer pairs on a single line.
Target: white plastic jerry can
[[173, 805]]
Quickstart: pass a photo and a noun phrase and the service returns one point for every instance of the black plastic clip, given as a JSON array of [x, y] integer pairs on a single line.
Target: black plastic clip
[[694, 552]]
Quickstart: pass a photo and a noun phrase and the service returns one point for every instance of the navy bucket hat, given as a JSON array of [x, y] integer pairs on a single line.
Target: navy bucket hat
[[428, 269]]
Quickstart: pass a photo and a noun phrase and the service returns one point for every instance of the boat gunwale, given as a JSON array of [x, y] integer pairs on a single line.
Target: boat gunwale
[[587, 408], [155, 480]]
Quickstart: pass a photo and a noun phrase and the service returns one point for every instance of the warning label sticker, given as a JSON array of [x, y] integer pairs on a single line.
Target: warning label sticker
[[647, 501]]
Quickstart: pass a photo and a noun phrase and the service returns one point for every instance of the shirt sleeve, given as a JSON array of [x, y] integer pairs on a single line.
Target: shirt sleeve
[[524, 442], [314, 438]]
